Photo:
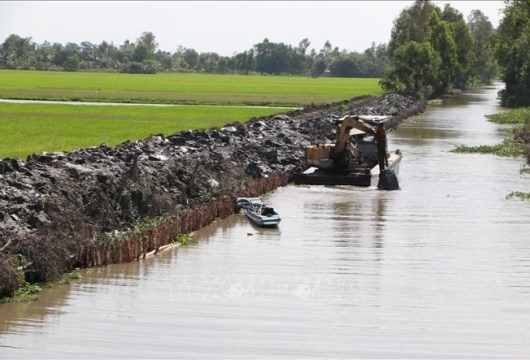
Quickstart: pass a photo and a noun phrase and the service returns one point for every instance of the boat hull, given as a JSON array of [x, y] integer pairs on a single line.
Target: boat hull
[[265, 221], [257, 212]]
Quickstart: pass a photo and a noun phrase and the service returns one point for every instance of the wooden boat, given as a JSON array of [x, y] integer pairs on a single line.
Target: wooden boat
[[258, 212]]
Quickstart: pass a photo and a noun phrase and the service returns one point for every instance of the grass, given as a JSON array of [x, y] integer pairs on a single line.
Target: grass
[[182, 88], [34, 128]]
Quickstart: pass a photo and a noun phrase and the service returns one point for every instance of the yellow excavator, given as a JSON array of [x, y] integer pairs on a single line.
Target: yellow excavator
[[358, 157]]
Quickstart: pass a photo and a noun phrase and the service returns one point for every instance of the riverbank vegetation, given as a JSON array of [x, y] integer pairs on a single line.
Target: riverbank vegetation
[[521, 132], [177, 88], [513, 53]]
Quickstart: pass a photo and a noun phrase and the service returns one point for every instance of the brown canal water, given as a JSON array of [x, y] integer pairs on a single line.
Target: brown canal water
[[440, 269]]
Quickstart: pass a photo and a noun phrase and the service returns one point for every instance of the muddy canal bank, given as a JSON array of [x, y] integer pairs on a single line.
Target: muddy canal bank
[[105, 205]]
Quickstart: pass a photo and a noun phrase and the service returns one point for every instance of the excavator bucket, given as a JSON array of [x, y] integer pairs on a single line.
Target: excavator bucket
[[387, 180]]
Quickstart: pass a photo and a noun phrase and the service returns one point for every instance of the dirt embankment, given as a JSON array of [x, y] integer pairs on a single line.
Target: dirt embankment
[[61, 211]]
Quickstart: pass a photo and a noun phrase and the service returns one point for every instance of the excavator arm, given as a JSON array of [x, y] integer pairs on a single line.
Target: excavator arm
[[348, 123]]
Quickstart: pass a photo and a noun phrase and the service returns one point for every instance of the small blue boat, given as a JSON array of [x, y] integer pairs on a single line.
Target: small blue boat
[[258, 212]]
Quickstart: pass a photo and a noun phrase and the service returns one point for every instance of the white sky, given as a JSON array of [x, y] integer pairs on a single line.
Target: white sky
[[224, 27]]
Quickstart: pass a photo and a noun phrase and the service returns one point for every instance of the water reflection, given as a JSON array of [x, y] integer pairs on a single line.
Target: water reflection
[[379, 222], [15, 317]]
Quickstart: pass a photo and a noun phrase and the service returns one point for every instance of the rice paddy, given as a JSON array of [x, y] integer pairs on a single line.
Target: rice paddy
[[205, 101]]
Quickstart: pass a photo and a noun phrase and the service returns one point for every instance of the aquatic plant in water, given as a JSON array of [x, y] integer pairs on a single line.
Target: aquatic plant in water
[[26, 291], [521, 195], [516, 116], [508, 147], [184, 239]]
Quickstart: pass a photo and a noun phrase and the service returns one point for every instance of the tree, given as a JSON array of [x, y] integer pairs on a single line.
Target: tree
[[415, 72], [125, 52], [141, 53], [413, 24], [139, 58], [513, 53], [449, 38], [16, 52], [107, 56], [191, 59], [463, 40], [208, 62], [88, 54], [68, 56], [44, 56], [326, 49], [444, 45], [300, 63], [164, 60], [343, 66], [142, 56], [244, 62], [148, 40], [71, 62], [319, 65], [273, 58], [484, 68]]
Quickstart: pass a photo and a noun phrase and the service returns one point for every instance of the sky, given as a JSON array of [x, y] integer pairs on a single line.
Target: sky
[[224, 27]]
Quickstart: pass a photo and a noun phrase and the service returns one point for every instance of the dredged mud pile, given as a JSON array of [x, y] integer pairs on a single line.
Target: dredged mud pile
[[52, 205]]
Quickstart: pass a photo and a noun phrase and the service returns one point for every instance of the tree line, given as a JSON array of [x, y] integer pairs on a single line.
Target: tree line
[[431, 52], [434, 50], [144, 56]]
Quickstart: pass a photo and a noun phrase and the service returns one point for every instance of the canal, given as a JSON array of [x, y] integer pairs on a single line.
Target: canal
[[439, 269]]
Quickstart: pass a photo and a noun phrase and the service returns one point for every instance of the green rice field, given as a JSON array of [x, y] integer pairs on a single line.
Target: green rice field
[[34, 128], [176, 88]]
